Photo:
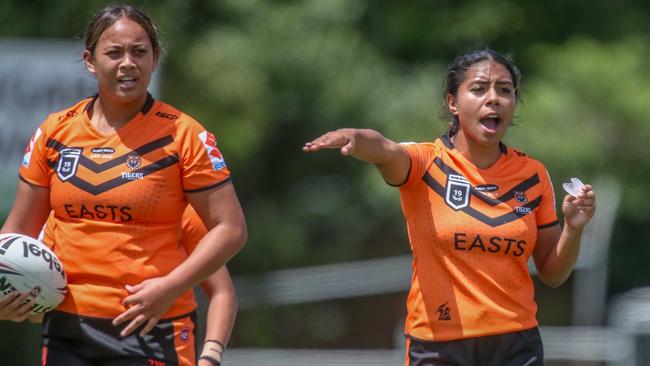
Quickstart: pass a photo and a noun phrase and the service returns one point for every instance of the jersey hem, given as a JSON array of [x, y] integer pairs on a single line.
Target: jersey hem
[[171, 318], [488, 334]]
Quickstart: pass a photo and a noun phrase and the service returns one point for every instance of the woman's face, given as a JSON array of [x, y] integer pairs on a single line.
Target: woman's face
[[485, 102], [123, 61]]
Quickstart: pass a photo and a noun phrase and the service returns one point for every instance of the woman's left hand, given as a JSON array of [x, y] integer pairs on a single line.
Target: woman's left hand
[[16, 306], [148, 301], [579, 210]]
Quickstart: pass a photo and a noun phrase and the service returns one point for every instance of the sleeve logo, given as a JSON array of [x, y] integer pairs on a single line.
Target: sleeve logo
[[30, 147], [210, 144]]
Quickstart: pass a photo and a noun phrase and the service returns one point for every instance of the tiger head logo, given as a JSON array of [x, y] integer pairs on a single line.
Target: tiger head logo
[[520, 197], [133, 161]]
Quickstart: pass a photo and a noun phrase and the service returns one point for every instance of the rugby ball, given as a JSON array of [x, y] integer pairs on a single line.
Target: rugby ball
[[27, 265]]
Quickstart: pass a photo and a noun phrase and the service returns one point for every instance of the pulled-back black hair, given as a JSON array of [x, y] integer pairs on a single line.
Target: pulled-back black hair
[[111, 14]]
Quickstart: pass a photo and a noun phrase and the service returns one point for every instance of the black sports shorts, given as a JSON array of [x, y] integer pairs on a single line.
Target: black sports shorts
[[71, 340], [511, 349]]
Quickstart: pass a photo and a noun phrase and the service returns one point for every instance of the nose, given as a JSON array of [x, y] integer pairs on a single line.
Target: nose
[[492, 96], [127, 61]]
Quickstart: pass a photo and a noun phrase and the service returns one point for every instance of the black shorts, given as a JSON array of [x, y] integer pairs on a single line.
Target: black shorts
[[71, 340], [511, 349]]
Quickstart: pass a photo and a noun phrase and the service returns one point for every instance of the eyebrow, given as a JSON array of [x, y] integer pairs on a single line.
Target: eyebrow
[[484, 81], [117, 45]]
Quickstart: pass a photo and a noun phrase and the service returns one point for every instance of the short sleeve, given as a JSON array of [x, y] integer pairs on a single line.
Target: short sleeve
[[192, 229], [546, 213], [421, 156], [34, 168], [203, 166]]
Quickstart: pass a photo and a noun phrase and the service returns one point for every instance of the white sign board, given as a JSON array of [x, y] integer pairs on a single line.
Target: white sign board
[[37, 77]]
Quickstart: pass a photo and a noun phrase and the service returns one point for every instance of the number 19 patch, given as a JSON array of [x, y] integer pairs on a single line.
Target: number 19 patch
[[458, 192]]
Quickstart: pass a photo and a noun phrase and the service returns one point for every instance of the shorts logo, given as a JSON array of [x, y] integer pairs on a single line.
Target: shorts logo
[[134, 161], [443, 312], [520, 197], [185, 335], [153, 362], [458, 192], [68, 162], [210, 144], [30, 147]]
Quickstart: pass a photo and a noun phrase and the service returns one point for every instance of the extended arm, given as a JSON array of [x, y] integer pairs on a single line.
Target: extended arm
[[369, 146]]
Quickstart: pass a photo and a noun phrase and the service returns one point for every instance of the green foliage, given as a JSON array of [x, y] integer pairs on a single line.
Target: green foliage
[[586, 113], [279, 77]]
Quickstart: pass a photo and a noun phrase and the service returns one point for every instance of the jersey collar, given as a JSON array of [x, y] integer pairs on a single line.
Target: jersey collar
[[446, 140], [146, 107]]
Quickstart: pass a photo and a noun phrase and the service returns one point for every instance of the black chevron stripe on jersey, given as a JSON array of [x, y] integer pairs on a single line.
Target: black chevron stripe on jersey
[[521, 187], [118, 181], [98, 168], [492, 221]]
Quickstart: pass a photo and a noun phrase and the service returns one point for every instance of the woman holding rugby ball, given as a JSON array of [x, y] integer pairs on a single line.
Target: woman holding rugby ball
[[116, 223]]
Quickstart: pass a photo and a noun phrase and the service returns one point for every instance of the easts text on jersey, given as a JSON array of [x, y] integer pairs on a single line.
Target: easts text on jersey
[[109, 212], [494, 244]]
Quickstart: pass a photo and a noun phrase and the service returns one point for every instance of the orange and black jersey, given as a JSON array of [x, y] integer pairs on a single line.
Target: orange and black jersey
[[472, 232], [117, 200]]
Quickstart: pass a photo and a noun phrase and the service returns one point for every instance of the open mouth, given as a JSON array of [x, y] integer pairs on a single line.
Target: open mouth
[[127, 81], [490, 123]]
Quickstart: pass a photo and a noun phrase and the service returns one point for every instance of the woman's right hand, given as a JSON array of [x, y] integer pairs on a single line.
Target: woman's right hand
[[343, 138], [16, 306], [369, 146]]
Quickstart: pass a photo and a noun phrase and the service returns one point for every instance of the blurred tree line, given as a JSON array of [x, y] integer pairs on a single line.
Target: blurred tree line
[[267, 76]]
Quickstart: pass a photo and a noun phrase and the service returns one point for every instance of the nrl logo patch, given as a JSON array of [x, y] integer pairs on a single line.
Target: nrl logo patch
[[133, 161], [458, 192], [68, 162]]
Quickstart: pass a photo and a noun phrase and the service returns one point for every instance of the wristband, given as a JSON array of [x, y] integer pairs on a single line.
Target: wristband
[[212, 350], [217, 342]]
